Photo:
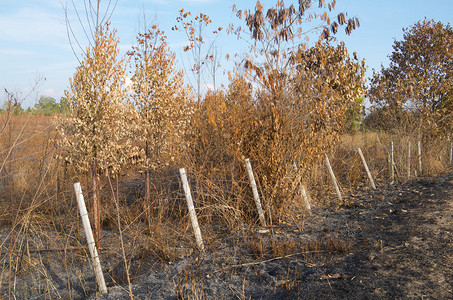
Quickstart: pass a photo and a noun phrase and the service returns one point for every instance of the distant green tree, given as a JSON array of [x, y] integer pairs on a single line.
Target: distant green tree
[[18, 110], [354, 116], [64, 106], [47, 105], [13, 106]]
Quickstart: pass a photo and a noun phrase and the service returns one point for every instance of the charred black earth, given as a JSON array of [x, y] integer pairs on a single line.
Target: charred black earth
[[395, 242]]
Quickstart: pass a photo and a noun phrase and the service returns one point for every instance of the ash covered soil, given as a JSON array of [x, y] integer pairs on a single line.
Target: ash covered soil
[[393, 242]]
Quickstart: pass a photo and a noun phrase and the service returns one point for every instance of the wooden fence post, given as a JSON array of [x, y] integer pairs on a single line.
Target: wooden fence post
[[370, 177], [256, 196], [192, 213], [391, 164], [90, 239], [334, 179]]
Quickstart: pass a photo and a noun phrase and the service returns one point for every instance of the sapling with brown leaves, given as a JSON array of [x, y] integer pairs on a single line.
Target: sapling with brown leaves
[[96, 138], [200, 51], [162, 102]]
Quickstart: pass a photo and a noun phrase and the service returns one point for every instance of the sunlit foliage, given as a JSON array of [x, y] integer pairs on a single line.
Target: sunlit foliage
[[419, 77], [97, 137], [160, 98]]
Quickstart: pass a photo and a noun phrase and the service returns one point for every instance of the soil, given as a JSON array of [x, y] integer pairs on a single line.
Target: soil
[[393, 242]]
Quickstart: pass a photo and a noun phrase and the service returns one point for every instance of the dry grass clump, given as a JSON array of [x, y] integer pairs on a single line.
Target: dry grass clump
[[37, 212], [312, 248], [263, 247], [282, 247], [258, 247]]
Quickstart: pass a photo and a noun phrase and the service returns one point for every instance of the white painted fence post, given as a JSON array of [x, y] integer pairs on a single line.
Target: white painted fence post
[[90, 239], [419, 146], [391, 164], [408, 160], [334, 179], [370, 177], [256, 196], [192, 213], [305, 196], [302, 189]]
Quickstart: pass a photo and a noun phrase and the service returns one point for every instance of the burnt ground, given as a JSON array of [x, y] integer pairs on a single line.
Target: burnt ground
[[394, 242]]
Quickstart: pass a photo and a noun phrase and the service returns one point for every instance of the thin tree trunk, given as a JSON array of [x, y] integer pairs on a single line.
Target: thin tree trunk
[[96, 205], [199, 77], [148, 204], [12, 245], [199, 70]]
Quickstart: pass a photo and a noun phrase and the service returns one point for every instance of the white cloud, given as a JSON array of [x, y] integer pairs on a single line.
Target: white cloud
[[51, 93], [125, 48], [128, 84], [207, 87]]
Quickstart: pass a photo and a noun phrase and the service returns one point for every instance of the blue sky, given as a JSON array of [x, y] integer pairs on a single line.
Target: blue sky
[[34, 42]]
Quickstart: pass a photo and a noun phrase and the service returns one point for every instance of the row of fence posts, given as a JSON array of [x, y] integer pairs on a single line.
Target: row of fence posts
[[392, 165], [193, 216]]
